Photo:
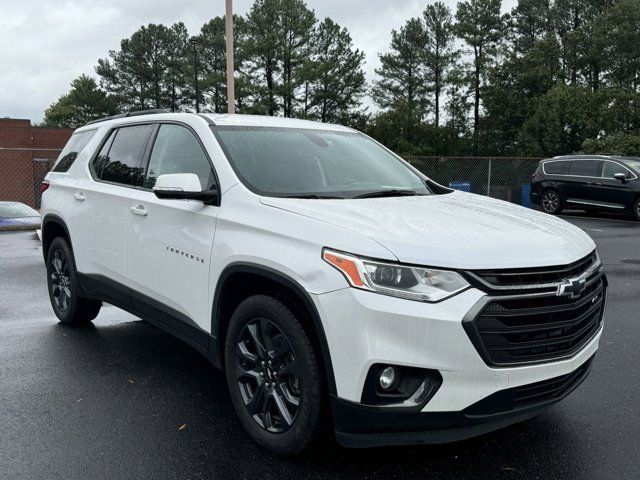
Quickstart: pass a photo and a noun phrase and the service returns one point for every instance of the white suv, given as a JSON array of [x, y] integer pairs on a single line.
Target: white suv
[[333, 282]]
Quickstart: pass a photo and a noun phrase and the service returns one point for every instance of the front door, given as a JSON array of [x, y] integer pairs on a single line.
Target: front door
[[169, 241], [612, 192]]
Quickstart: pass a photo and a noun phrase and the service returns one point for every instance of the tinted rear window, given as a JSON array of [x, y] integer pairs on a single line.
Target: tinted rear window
[[586, 168], [123, 162], [72, 149], [557, 168]]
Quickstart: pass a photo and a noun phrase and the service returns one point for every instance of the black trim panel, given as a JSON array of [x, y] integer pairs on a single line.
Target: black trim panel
[[361, 426], [52, 218], [152, 311], [286, 282]]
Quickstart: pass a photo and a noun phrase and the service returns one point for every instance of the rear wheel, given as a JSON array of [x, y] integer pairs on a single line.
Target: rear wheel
[[62, 281], [551, 202], [636, 210], [273, 376]]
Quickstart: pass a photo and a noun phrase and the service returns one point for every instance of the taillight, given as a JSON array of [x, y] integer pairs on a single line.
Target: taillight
[[43, 186]]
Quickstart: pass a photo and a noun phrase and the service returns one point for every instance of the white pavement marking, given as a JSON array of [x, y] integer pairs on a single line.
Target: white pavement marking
[[576, 217]]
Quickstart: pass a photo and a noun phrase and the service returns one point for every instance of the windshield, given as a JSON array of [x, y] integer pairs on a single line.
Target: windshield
[[291, 162], [633, 164], [16, 210]]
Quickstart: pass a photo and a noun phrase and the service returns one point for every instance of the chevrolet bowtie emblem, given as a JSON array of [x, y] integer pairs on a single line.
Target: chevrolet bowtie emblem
[[572, 287]]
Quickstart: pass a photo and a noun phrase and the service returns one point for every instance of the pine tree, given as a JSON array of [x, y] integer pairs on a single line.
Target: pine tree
[[480, 25], [334, 81], [83, 103], [145, 72], [440, 54], [401, 82]]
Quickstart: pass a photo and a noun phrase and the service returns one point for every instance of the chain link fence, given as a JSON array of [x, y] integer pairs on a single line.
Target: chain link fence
[[22, 171], [505, 178]]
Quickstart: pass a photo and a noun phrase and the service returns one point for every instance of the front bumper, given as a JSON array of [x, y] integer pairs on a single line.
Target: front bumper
[[361, 426], [364, 328]]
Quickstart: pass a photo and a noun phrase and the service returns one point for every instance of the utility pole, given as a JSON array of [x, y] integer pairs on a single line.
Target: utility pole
[[194, 43], [229, 37]]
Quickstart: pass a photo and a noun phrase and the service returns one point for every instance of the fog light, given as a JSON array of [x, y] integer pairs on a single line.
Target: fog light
[[388, 378]]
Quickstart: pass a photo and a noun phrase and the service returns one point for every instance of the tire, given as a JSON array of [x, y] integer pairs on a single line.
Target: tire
[[551, 202], [62, 282], [636, 210], [264, 395]]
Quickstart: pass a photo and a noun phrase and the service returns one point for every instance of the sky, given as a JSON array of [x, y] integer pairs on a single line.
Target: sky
[[44, 45]]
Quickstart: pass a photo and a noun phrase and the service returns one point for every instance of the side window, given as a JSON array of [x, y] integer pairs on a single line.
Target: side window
[[98, 162], [176, 150], [557, 168], [586, 168], [123, 162], [609, 169], [72, 149]]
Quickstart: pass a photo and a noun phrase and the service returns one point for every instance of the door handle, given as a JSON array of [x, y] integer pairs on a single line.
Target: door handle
[[79, 196], [588, 183], [139, 210], [598, 184]]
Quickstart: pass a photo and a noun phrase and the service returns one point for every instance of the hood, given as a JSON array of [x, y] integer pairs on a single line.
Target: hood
[[454, 230]]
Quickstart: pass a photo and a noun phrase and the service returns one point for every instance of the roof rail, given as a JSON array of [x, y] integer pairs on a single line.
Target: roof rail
[[133, 113], [586, 156]]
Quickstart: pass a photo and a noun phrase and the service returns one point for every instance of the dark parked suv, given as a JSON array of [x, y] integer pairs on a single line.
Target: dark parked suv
[[588, 182]]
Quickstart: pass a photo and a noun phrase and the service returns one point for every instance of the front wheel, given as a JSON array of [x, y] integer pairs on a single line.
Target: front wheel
[[551, 202], [62, 281], [636, 210], [273, 376]]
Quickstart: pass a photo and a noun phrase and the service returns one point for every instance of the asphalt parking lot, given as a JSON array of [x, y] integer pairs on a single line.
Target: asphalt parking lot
[[125, 400]]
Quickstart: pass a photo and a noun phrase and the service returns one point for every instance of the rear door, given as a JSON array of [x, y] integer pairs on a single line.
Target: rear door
[[169, 241], [101, 202]]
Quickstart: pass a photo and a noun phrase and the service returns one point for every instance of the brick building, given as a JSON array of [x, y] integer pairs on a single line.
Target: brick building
[[27, 153]]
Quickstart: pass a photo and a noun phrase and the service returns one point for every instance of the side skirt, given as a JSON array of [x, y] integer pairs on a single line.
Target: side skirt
[[151, 311]]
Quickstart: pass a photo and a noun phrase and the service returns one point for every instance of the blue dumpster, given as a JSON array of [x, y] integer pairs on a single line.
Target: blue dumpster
[[525, 197], [462, 186]]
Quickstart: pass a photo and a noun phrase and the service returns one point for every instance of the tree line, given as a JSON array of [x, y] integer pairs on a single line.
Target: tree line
[[547, 78]]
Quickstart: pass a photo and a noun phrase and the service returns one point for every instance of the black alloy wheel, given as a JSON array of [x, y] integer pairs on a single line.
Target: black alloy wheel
[[274, 376], [60, 280], [267, 375], [68, 304]]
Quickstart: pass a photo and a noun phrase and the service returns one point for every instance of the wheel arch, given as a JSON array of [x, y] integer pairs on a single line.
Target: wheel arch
[[53, 226], [239, 281]]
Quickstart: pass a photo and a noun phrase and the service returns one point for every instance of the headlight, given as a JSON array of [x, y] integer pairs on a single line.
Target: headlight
[[413, 283]]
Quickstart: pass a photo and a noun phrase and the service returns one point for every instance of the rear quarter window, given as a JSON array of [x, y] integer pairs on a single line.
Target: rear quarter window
[[72, 149], [557, 168]]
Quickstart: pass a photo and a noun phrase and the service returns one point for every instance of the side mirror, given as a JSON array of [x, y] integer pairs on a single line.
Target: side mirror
[[183, 186], [620, 176]]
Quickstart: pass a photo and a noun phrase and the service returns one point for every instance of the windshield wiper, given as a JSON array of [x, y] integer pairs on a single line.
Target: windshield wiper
[[393, 192], [311, 195]]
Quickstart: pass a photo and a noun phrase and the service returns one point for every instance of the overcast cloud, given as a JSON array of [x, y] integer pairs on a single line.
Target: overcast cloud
[[46, 44]]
